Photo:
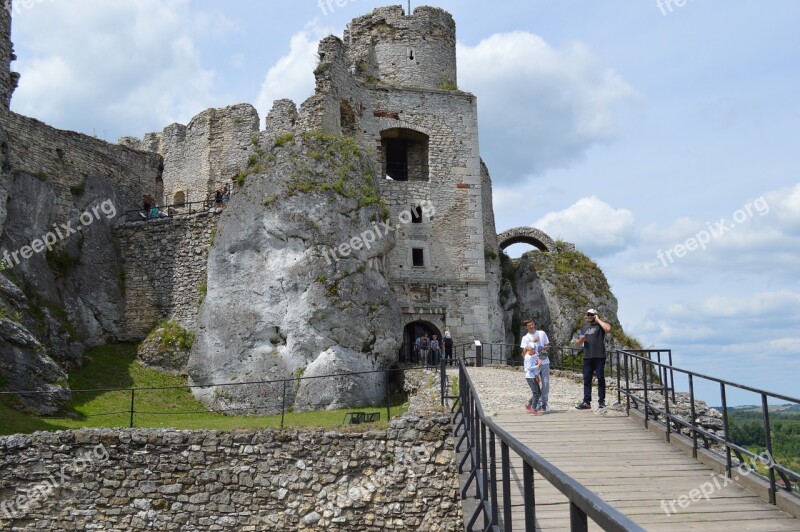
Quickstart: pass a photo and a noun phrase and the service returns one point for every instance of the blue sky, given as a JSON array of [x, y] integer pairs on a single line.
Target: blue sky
[[627, 128]]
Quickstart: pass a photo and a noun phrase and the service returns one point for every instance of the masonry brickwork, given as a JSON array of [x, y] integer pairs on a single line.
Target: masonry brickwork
[[204, 155], [402, 478], [64, 159], [8, 79], [165, 270]]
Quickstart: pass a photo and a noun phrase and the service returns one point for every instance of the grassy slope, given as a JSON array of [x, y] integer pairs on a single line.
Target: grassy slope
[[114, 366]]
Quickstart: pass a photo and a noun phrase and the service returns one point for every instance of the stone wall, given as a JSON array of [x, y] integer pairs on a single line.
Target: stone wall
[[8, 79], [165, 267], [403, 478], [453, 245], [65, 159], [407, 51], [202, 156]]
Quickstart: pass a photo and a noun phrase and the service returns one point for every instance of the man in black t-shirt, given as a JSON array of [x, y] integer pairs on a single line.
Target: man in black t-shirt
[[592, 338]]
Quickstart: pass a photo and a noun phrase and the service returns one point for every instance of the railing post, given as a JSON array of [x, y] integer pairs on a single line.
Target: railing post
[[577, 519], [619, 379], [671, 374], [386, 385], [627, 385], [644, 385], [694, 416], [506, 467], [443, 377], [478, 354], [493, 485], [528, 496], [667, 417], [283, 402], [133, 395], [728, 464], [768, 443]]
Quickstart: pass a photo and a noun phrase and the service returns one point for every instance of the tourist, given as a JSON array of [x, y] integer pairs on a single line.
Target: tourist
[[448, 346], [540, 343], [424, 349], [218, 198], [592, 338], [226, 193], [436, 351], [532, 367]]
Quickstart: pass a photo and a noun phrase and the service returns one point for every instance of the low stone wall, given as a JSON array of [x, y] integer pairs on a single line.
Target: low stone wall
[[403, 478], [165, 264], [400, 479]]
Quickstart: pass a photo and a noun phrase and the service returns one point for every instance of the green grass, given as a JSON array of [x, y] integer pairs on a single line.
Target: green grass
[[114, 366]]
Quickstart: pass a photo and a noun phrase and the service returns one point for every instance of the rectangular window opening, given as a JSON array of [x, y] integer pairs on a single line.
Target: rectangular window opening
[[418, 256]]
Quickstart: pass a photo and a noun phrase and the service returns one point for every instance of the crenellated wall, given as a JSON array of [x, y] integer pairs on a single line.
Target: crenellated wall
[[203, 155], [165, 263]]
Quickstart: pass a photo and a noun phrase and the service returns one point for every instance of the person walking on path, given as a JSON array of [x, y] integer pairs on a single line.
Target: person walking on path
[[592, 338], [540, 343]]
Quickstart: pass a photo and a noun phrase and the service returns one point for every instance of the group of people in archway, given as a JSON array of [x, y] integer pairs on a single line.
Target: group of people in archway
[[428, 350]]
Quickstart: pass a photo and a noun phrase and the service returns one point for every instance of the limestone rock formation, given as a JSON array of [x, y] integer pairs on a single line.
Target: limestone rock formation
[[294, 286], [556, 289]]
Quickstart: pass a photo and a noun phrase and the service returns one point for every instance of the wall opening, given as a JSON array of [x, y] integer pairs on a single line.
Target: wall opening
[[418, 257], [179, 198], [411, 332], [404, 154], [347, 119], [416, 214]]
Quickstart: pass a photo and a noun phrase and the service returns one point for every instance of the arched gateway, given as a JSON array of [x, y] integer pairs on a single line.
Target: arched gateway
[[526, 235]]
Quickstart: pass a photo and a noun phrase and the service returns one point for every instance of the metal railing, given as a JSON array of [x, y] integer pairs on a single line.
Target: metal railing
[[480, 434], [639, 391], [570, 358], [284, 389]]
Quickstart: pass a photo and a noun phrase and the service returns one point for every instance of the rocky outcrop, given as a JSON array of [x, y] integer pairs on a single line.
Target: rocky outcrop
[[555, 289], [296, 284]]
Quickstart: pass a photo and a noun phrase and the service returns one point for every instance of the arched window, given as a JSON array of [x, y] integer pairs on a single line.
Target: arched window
[[404, 154], [179, 199]]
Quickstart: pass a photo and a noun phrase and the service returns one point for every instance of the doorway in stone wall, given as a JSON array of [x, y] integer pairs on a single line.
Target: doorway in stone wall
[[412, 331]]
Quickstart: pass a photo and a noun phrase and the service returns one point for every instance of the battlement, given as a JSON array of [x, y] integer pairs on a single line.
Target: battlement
[[408, 51], [8, 79]]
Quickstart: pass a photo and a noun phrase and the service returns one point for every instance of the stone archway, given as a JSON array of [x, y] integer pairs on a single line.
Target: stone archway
[[526, 235], [410, 333]]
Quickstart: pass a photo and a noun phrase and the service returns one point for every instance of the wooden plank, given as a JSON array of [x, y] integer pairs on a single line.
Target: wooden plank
[[633, 470]]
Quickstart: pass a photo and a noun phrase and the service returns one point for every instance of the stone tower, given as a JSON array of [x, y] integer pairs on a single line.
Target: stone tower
[[417, 51], [424, 132], [8, 79]]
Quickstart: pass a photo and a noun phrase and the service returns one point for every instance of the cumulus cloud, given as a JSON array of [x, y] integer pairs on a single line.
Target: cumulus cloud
[[541, 107], [112, 68], [767, 226], [592, 224], [293, 75]]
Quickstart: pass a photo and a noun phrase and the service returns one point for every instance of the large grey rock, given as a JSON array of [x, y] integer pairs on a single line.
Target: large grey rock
[[556, 289], [278, 303]]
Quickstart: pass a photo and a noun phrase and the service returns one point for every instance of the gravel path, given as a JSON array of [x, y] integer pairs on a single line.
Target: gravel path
[[503, 389]]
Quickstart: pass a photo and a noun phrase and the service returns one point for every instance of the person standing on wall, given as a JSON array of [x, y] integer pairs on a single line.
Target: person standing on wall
[[592, 338], [540, 344]]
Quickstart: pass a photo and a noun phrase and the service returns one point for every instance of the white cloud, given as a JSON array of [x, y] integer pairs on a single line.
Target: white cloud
[[122, 67], [293, 75], [541, 107], [592, 224]]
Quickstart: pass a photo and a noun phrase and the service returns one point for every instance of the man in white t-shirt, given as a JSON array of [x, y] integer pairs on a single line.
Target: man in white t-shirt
[[540, 343]]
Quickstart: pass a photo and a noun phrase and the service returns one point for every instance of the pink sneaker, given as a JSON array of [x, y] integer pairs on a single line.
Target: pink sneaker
[[528, 408], [536, 413]]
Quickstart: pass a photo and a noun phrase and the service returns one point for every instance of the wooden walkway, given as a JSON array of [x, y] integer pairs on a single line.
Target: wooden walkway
[[634, 470]]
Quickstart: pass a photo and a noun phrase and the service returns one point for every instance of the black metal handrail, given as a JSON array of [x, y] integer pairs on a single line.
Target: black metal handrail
[[472, 429], [169, 211], [629, 360]]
